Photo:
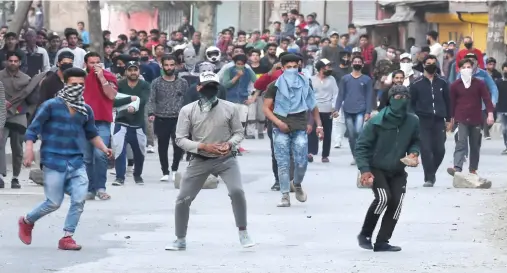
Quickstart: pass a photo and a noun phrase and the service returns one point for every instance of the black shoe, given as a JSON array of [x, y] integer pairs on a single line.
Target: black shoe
[[139, 180], [364, 242], [2, 184], [118, 182], [385, 247], [260, 136], [276, 186], [249, 137], [15, 184]]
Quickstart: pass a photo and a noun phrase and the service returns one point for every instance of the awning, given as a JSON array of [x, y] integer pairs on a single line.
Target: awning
[[401, 16]]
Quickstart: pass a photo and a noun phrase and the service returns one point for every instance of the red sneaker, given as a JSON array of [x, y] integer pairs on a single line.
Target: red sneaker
[[241, 150], [67, 243], [25, 231]]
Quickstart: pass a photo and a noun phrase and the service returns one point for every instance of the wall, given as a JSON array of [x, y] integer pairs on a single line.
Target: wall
[[308, 6], [64, 14], [227, 15], [119, 23]]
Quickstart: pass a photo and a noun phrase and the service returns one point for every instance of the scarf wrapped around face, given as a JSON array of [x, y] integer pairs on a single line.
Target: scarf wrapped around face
[[73, 95]]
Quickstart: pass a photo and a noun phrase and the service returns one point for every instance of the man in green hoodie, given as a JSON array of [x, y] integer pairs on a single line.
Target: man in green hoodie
[[389, 142]]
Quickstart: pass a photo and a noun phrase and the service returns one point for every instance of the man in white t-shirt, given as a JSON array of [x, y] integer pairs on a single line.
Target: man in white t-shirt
[[435, 47], [72, 37]]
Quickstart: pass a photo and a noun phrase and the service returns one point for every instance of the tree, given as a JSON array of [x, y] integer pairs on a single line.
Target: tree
[[496, 28], [207, 14], [95, 27], [19, 17]]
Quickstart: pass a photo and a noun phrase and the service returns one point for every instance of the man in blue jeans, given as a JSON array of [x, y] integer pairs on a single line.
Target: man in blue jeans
[[287, 103], [62, 122], [356, 98]]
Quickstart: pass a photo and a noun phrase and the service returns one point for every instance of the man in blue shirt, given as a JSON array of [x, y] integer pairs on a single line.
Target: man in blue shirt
[[62, 124], [85, 35]]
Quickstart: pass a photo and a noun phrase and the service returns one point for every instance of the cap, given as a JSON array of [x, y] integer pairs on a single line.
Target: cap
[[471, 55], [398, 89], [208, 77], [491, 60], [356, 49], [405, 56], [451, 42], [134, 50], [133, 64], [322, 63], [334, 33]]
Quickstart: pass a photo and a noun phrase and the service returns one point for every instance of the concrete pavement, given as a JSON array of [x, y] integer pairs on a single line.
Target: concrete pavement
[[441, 229]]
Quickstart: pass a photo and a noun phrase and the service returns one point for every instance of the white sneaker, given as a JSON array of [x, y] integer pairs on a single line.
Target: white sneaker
[[174, 176], [245, 239], [165, 178], [150, 149], [337, 146]]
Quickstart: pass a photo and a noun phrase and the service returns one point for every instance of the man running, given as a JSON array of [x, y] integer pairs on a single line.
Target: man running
[[62, 123], [387, 138], [215, 129]]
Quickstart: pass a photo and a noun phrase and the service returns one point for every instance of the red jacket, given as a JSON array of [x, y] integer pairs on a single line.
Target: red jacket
[[462, 53], [94, 96], [263, 81]]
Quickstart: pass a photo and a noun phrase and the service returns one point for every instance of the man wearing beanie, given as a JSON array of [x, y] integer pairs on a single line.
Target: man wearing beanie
[[389, 142]]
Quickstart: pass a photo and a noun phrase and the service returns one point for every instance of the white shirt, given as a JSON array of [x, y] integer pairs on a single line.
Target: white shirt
[[79, 54], [437, 50]]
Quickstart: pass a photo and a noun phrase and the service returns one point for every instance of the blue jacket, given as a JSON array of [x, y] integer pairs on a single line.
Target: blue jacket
[[481, 74]]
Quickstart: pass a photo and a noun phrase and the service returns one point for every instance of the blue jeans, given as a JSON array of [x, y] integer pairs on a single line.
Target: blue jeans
[[283, 143], [136, 137], [96, 160], [73, 181], [354, 124]]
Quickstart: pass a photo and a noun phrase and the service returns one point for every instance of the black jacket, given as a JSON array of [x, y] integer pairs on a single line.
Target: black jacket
[[430, 99]]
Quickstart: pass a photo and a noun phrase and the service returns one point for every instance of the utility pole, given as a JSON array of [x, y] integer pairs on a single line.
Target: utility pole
[[19, 17], [95, 28], [496, 28]]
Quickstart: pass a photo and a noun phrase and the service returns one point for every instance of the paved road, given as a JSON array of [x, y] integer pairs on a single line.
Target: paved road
[[442, 229]]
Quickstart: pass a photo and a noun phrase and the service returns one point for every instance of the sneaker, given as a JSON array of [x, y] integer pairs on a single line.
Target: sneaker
[[178, 244], [353, 163], [90, 196], [276, 186], [364, 242], [285, 202], [452, 171], [292, 188], [15, 184], [139, 180], [173, 177], [164, 178], [385, 247], [337, 146], [300, 194], [249, 137], [260, 136], [245, 239], [504, 152], [25, 231], [67, 243], [325, 160], [310, 158], [118, 182], [488, 138], [428, 184], [150, 149], [241, 150]]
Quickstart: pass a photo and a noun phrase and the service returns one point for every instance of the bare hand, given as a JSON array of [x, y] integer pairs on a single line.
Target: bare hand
[[151, 118], [133, 98], [225, 148], [213, 149], [490, 120], [28, 158], [283, 127], [7, 104], [336, 114], [240, 73], [367, 179], [320, 133], [366, 117], [309, 129], [108, 152], [131, 109], [411, 160], [383, 79], [449, 125], [250, 101], [99, 71]]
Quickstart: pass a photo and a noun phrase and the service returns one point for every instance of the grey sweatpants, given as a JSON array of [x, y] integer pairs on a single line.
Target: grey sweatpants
[[16, 150], [468, 135], [196, 174]]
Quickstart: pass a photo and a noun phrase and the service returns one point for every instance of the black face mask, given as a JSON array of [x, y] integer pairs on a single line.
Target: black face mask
[[344, 62], [209, 91], [120, 70], [144, 58], [169, 72], [428, 41], [357, 67], [431, 69], [469, 45], [300, 69], [328, 72], [64, 67]]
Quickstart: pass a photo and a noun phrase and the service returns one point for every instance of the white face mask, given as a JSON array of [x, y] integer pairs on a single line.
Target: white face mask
[[466, 76], [406, 67]]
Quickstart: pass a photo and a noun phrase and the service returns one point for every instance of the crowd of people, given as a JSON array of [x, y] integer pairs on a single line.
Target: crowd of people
[[300, 82]]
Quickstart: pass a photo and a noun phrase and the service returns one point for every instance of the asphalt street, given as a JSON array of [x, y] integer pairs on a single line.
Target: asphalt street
[[441, 229]]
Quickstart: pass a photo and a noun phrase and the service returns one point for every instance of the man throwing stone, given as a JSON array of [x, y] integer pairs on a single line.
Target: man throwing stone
[[215, 128]]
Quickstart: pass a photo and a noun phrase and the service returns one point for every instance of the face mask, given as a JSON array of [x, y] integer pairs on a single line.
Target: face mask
[[431, 69], [357, 67], [344, 62], [467, 72], [406, 67], [120, 70], [398, 106], [328, 72], [291, 71], [469, 45], [64, 67], [208, 98], [169, 72], [209, 92], [144, 58]]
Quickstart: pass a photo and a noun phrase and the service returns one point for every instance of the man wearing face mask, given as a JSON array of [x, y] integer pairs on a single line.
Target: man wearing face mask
[[467, 96], [215, 129], [469, 48], [436, 48], [407, 67], [356, 98], [383, 68], [430, 102], [391, 135], [54, 81], [165, 103], [189, 66], [71, 35]]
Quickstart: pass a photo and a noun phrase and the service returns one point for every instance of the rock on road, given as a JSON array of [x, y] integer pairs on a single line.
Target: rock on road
[[441, 229]]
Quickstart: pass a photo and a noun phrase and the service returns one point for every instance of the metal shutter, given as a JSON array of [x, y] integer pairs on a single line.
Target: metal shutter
[[250, 15], [337, 15], [364, 10]]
